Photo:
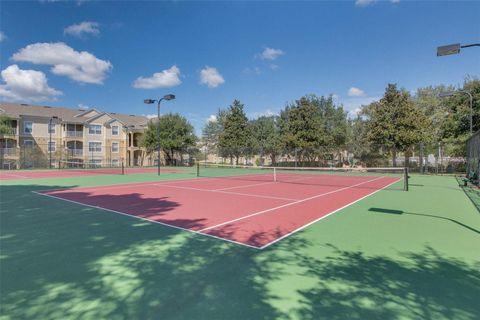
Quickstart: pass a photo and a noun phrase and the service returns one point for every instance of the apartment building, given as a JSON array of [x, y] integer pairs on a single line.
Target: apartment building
[[41, 133]]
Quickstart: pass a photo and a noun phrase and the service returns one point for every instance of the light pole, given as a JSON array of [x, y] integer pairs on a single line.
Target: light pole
[[150, 101], [50, 142], [453, 48], [451, 93]]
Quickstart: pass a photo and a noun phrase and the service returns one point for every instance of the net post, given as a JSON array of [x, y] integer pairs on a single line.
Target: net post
[[198, 169], [274, 174], [405, 178], [123, 168]]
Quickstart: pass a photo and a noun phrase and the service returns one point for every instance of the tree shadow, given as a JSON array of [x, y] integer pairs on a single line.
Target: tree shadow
[[60, 260], [424, 285], [63, 260], [400, 212]]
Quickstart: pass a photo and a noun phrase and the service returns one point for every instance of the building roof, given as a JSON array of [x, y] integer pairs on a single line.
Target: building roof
[[68, 115]]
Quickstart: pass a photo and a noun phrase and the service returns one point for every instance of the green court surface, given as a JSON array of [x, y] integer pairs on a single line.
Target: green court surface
[[393, 255]]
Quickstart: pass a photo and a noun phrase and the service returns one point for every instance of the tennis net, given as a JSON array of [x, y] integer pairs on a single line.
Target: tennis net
[[92, 167], [310, 176]]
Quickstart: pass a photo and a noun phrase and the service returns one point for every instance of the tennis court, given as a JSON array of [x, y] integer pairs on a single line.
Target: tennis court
[[242, 205]]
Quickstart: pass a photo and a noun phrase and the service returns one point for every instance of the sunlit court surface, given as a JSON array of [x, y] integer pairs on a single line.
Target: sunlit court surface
[[239, 160], [249, 209]]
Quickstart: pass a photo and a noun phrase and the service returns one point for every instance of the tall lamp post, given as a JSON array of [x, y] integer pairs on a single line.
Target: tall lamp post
[[451, 93], [50, 142], [151, 101]]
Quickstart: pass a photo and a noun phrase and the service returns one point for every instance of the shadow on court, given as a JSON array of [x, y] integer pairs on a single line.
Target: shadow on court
[[63, 260], [400, 212]]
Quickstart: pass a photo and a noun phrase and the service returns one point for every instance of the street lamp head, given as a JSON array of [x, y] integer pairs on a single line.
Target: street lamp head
[[169, 97], [149, 101], [448, 49]]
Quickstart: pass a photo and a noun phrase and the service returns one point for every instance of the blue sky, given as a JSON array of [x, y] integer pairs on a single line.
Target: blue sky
[[112, 55]]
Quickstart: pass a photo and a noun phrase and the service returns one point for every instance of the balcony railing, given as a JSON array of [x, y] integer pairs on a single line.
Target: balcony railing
[[75, 152], [13, 131], [74, 133], [8, 151]]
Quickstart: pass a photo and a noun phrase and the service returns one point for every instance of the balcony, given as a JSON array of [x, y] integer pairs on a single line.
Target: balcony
[[75, 152], [8, 151], [13, 132], [74, 134]]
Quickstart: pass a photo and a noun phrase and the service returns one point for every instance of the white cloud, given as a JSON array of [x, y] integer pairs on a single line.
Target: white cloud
[[26, 85], [364, 3], [150, 116], [355, 92], [212, 118], [211, 77], [271, 54], [164, 79], [79, 66], [85, 27], [2, 36]]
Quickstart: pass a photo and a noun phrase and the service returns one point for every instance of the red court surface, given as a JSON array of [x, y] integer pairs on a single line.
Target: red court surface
[[251, 213], [65, 173]]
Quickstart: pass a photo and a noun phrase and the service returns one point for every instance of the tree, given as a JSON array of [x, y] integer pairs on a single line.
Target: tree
[[266, 134], [313, 126], [211, 132], [396, 123], [176, 136], [235, 137], [5, 125]]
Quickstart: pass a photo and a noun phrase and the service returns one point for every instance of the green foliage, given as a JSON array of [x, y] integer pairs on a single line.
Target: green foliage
[[395, 122], [176, 136], [5, 125], [212, 130], [314, 125], [235, 137], [266, 136]]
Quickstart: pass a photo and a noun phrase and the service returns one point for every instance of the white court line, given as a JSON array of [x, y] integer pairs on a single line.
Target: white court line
[[123, 185], [330, 213], [245, 186], [264, 183], [226, 192], [145, 219], [287, 205], [13, 175]]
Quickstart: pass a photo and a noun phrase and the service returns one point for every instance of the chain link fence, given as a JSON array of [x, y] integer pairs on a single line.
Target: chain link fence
[[473, 156], [438, 158], [44, 156]]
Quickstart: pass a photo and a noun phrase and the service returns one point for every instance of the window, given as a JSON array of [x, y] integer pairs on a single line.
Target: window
[[28, 127], [115, 163], [115, 147], [28, 143], [95, 129], [51, 128], [52, 146], [114, 130], [95, 147]]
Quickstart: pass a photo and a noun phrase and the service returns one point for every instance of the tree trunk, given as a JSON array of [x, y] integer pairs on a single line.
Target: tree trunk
[[394, 157], [407, 157]]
